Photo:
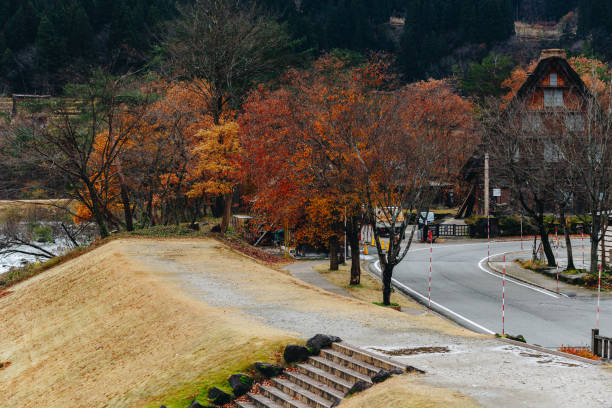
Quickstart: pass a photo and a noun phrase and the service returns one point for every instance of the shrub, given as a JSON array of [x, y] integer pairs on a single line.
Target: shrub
[[511, 225], [43, 233], [533, 265]]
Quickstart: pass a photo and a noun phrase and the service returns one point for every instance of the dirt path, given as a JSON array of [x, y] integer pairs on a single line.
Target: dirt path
[[134, 321]]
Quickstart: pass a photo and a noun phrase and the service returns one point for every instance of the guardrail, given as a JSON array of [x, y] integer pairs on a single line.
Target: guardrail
[[601, 346]]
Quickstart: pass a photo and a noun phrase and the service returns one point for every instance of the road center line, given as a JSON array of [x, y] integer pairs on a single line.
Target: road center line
[[482, 268], [398, 283]]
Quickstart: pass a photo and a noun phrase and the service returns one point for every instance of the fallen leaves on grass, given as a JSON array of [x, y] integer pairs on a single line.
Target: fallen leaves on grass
[[249, 250], [580, 352], [4, 293]]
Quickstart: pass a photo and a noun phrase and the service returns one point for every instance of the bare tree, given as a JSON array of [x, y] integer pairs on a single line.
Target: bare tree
[[416, 139], [586, 147], [527, 159], [220, 48], [79, 139]]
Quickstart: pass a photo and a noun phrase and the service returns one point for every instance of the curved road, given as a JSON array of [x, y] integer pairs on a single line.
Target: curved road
[[465, 290]]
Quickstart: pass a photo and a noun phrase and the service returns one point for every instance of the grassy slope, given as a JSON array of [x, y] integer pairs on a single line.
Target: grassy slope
[[100, 330], [108, 328], [408, 392]]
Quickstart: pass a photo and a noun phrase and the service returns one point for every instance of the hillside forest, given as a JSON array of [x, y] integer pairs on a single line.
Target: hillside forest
[[45, 44]]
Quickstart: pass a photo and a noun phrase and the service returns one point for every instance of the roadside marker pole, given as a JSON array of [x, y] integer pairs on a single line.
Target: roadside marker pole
[[582, 239], [488, 238], [504, 298], [521, 232], [557, 257], [430, 261], [598, 294]]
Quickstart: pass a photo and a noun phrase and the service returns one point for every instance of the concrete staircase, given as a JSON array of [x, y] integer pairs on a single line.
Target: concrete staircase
[[323, 380]]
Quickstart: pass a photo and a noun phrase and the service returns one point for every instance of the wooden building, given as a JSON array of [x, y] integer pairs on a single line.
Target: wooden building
[[553, 86]]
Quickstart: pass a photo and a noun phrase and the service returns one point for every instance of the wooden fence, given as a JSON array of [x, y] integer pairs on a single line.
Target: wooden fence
[[601, 346]]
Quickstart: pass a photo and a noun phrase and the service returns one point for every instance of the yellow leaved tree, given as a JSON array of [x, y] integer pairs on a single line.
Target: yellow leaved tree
[[218, 166]]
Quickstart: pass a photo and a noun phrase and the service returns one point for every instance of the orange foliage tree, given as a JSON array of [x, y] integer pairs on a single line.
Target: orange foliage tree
[[161, 155], [346, 136], [292, 157], [218, 165], [157, 161]]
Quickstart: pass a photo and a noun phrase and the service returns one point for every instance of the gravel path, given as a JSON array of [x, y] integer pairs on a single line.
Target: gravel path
[[494, 373]]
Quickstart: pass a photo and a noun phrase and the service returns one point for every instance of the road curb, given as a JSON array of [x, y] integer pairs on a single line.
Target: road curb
[[499, 271], [548, 351], [440, 312]]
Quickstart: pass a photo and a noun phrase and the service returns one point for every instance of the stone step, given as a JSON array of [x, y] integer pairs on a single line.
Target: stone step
[[326, 378], [281, 398], [350, 362], [338, 370], [366, 356], [245, 404], [261, 401], [300, 393], [314, 386]]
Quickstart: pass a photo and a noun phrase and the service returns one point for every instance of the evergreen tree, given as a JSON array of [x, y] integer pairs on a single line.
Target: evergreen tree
[[80, 35], [21, 28], [50, 45], [484, 79]]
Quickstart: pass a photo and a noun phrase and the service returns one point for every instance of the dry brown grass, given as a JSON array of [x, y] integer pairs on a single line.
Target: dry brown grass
[[101, 330], [26, 204], [110, 329], [408, 391], [369, 290]]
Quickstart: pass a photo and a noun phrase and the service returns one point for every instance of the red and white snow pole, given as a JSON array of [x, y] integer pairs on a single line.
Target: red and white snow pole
[[598, 295], [488, 238], [430, 262], [504, 298], [582, 239], [557, 257], [521, 232]]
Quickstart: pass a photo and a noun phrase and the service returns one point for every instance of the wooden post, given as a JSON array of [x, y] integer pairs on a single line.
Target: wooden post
[[594, 341]]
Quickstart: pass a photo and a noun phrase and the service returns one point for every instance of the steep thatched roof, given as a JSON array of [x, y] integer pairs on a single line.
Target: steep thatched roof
[[558, 64]]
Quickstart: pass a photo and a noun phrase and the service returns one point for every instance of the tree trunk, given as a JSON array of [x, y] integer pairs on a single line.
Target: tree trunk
[[550, 256], [227, 212], [127, 209], [568, 242], [352, 235], [96, 210], [386, 280], [594, 255], [333, 254]]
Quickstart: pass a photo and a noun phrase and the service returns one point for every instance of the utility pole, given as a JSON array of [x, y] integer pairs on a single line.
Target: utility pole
[[486, 184]]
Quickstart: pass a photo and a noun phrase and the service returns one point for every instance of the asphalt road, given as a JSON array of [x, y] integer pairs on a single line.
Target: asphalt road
[[470, 294]]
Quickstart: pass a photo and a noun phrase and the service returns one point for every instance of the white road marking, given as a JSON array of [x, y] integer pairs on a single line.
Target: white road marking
[[535, 288], [398, 283]]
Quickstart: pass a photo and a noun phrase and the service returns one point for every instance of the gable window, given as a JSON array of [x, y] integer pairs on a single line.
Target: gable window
[[553, 80], [532, 123], [574, 123], [553, 97], [552, 153]]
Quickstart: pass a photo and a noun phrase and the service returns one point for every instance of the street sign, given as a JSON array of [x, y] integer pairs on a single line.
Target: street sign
[[497, 192], [427, 216]]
